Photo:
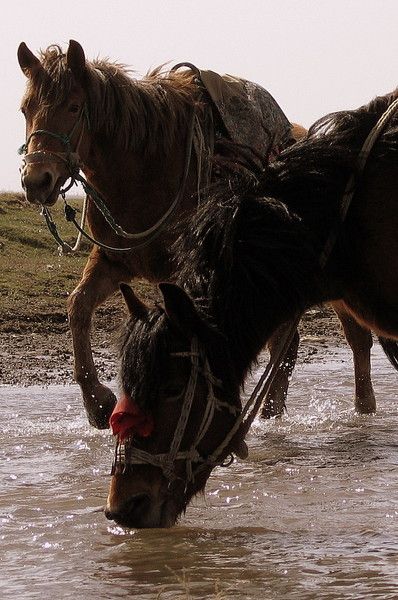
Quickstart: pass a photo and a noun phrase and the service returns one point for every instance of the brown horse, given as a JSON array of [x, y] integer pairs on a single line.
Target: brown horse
[[250, 262], [130, 138]]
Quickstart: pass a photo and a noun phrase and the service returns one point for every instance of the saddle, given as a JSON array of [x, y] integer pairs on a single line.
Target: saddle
[[250, 115], [246, 116]]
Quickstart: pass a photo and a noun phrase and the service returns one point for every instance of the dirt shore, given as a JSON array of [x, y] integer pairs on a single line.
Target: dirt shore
[[40, 353]]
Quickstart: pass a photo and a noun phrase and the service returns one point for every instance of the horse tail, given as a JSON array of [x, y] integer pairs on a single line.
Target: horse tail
[[390, 348]]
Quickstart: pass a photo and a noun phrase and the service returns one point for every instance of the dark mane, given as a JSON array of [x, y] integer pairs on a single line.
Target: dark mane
[[129, 110], [142, 365], [247, 253]]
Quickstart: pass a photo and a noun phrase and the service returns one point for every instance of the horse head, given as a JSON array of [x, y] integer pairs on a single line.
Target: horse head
[[179, 400], [55, 109]]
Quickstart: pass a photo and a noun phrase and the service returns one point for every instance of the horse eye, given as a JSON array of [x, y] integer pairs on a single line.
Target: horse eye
[[74, 108]]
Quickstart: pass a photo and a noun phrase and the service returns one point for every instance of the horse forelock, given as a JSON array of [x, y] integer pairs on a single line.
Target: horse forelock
[[143, 347], [51, 86], [137, 114]]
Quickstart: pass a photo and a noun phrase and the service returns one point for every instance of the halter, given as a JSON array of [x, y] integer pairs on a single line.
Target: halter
[[126, 455], [69, 158]]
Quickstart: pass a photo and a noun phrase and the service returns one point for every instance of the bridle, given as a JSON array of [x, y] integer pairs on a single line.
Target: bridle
[[126, 455], [70, 157]]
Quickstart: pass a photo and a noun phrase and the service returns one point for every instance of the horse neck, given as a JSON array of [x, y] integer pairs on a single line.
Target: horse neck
[[137, 185]]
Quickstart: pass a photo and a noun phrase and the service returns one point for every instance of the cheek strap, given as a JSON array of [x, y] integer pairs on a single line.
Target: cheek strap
[[128, 419]]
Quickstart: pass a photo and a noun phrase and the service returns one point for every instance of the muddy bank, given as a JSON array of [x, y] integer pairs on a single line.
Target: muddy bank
[[38, 350]]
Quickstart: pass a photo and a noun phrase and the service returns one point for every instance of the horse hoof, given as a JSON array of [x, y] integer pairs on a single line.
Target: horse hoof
[[99, 404]]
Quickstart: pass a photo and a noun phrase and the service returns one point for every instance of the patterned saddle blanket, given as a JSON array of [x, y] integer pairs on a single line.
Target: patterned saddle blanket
[[250, 115]]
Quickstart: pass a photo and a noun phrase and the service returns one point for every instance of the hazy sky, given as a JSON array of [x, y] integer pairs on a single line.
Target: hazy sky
[[314, 56]]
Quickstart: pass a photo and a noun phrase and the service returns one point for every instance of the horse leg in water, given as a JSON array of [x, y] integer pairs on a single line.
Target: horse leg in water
[[275, 400], [360, 341], [100, 279]]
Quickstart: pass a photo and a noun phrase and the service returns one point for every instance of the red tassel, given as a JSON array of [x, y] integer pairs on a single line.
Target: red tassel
[[128, 419]]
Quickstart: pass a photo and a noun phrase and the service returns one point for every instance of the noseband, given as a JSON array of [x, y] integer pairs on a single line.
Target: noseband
[[126, 455], [70, 158]]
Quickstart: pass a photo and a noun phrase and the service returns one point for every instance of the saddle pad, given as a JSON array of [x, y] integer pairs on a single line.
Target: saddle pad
[[250, 114]]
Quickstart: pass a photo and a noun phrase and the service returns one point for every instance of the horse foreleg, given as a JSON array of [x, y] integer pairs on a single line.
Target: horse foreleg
[[275, 400], [100, 279], [360, 341]]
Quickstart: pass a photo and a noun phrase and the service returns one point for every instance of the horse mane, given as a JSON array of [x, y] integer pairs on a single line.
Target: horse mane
[[138, 114], [244, 258], [253, 247]]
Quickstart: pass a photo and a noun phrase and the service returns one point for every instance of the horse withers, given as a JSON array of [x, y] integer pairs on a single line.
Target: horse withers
[[250, 262], [131, 139]]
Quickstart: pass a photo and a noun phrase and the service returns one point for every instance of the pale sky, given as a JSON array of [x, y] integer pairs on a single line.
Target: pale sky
[[313, 56]]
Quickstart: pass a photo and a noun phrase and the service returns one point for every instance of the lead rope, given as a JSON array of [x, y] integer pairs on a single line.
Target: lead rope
[[266, 379], [149, 235]]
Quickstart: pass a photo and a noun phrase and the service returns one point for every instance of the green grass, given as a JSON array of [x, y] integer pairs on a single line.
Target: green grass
[[35, 280]]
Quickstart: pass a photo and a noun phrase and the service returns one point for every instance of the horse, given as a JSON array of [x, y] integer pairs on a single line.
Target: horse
[[133, 141], [249, 262]]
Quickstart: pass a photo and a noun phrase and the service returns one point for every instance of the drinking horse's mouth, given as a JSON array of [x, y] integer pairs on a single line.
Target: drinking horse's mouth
[[143, 511]]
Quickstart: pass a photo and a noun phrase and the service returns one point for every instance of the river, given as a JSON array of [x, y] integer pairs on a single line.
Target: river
[[311, 514]]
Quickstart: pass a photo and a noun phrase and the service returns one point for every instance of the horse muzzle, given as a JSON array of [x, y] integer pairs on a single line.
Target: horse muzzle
[[142, 511], [43, 173]]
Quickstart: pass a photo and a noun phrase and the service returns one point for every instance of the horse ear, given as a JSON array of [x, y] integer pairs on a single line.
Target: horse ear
[[76, 60], [136, 308], [180, 309], [28, 62]]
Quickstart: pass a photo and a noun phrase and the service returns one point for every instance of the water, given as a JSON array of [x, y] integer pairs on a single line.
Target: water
[[312, 513]]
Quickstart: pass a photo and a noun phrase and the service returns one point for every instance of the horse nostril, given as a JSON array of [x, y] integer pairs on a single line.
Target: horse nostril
[[47, 180], [35, 180], [110, 515]]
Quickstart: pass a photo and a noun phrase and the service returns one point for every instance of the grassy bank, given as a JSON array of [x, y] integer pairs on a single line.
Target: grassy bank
[[35, 279]]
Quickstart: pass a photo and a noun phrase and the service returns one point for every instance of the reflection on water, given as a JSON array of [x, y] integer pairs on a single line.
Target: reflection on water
[[313, 512]]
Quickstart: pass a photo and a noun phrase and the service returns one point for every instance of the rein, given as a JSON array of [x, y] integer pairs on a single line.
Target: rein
[[148, 235], [73, 163]]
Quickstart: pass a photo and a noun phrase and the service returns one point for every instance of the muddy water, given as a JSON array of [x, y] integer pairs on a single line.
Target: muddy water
[[313, 512]]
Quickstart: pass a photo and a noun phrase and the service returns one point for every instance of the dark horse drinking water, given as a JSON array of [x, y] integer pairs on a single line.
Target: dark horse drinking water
[[249, 261], [145, 145]]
